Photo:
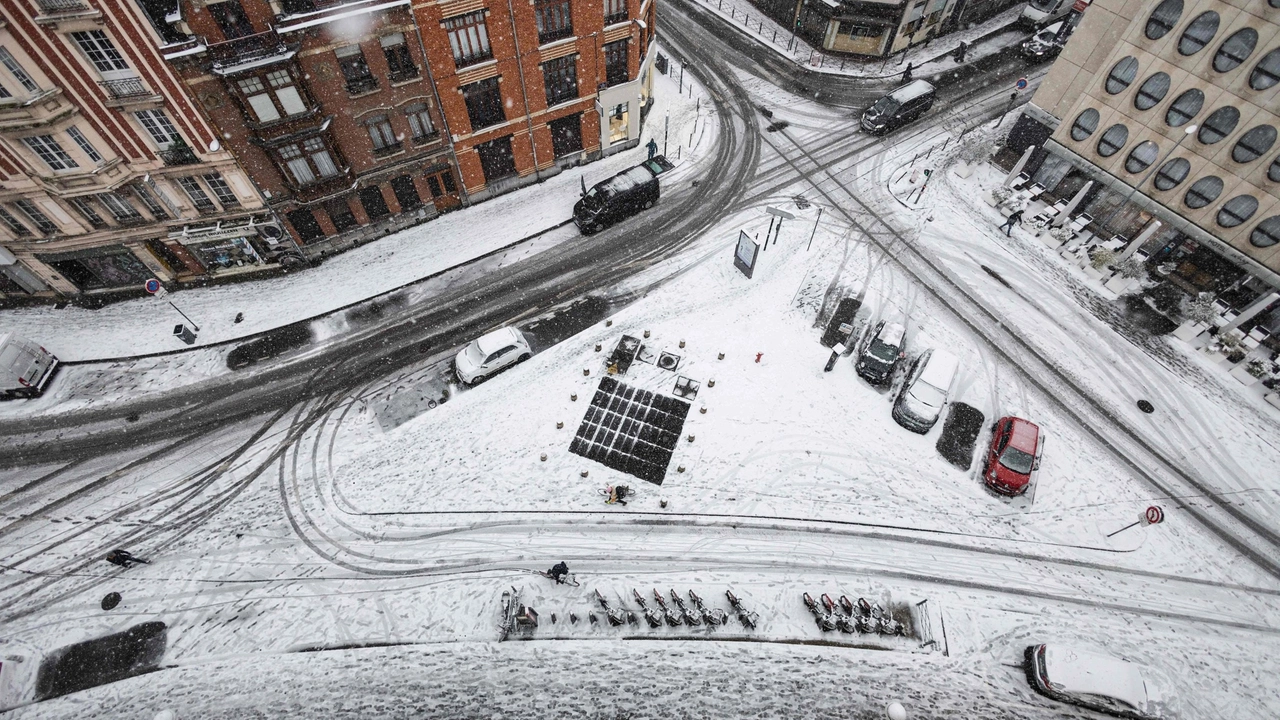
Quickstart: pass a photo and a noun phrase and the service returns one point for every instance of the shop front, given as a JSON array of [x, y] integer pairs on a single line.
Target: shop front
[[101, 268]]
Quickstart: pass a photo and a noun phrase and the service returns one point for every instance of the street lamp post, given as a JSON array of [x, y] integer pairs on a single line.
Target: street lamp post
[[1154, 166]]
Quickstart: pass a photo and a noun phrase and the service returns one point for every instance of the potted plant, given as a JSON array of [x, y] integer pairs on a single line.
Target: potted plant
[[1099, 259], [1199, 311], [1129, 272], [1059, 235], [997, 195]]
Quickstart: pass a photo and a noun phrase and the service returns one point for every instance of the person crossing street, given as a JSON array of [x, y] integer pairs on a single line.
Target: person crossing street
[[1015, 217]]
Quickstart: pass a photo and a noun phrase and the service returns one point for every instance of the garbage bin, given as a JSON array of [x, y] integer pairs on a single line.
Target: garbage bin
[[184, 333]]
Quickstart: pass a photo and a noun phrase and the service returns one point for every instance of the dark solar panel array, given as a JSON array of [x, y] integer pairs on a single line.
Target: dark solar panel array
[[631, 430]]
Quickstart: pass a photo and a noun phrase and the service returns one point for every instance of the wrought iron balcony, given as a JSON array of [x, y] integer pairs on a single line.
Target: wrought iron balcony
[[616, 18], [362, 84], [125, 89], [53, 7], [179, 155], [391, 149], [259, 49]]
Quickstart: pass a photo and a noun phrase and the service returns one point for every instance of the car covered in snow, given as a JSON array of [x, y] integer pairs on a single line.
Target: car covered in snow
[[1091, 680], [1044, 45], [904, 105], [882, 352], [925, 392], [960, 434], [1013, 454], [491, 353]]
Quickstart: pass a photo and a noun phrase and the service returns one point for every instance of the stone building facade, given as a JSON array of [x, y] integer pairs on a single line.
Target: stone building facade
[[109, 174]]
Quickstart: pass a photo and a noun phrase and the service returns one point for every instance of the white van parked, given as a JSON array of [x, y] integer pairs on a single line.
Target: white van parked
[[925, 393], [25, 367], [1091, 680]]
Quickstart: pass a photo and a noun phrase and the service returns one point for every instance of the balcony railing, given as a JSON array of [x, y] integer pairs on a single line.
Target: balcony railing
[[292, 7], [179, 156], [126, 88], [616, 18], [391, 149], [53, 7], [362, 84], [227, 56]]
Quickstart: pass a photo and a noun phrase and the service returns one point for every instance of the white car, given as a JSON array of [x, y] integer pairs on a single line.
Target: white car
[[1091, 680], [925, 392], [493, 352]]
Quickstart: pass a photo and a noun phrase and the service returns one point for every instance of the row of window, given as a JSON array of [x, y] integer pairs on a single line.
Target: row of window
[[201, 190], [469, 33], [1200, 32], [372, 201], [1253, 144], [485, 107], [54, 155]]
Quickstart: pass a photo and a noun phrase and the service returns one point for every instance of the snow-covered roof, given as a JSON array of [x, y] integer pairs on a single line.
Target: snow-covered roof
[[638, 175], [1080, 672], [496, 340], [911, 90], [892, 334]]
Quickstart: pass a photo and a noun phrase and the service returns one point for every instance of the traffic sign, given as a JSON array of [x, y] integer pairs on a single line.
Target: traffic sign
[[1153, 515], [1021, 84], [152, 286]]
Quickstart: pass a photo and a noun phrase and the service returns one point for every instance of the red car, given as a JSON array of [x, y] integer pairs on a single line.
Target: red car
[[1012, 456]]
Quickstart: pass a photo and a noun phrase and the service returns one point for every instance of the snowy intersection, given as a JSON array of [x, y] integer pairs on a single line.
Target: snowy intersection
[[364, 520]]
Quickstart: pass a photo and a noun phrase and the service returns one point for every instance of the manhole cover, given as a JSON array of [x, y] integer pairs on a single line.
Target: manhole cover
[[111, 600], [1146, 407]]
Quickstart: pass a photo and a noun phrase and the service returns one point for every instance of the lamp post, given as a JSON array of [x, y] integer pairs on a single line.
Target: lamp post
[[1154, 166]]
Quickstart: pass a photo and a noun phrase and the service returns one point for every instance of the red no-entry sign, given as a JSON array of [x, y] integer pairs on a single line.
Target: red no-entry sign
[[1153, 516]]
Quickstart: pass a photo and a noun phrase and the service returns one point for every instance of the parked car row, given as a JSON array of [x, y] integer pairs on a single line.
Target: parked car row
[[1016, 444]]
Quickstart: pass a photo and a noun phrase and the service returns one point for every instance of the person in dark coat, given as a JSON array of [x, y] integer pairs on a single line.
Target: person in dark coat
[[559, 571], [120, 557], [653, 147], [1007, 227], [906, 74]]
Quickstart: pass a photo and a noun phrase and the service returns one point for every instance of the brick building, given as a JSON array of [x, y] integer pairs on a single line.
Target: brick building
[[531, 87], [108, 173], [328, 105]]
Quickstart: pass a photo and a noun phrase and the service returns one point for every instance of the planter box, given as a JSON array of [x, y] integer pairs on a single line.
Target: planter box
[[962, 170], [1273, 398], [989, 198], [1241, 373], [1189, 330], [1099, 275], [1121, 284]]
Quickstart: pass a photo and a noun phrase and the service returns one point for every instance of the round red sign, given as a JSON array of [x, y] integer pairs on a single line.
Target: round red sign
[[1154, 515]]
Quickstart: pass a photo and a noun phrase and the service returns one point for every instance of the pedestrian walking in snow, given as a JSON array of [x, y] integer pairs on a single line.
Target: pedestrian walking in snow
[[1007, 227], [906, 74], [653, 147]]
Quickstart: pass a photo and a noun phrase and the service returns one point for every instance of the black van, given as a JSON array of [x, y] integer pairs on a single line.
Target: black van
[[621, 196], [903, 105]]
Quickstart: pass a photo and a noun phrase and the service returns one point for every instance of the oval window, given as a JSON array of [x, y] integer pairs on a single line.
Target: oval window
[[1218, 125], [1163, 18], [1122, 75], [1254, 144], [1203, 191], [1198, 33], [1152, 91], [1267, 233], [1273, 172], [1086, 122], [1141, 157], [1172, 173], [1267, 72], [1236, 210], [1112, 140], [1186, 106], [1274, 3], [1235, 50]]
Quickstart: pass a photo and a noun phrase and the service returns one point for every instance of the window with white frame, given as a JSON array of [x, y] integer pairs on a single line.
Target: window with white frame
[[420, 122], [382, 135], [469, 38], [308, 161], [198, 196], [158, 126], [100, 50], [221, 190], [85, 145], [48, 150], [11, 64], [37, 218], [121, 209], [83, 206], [152, 205], [272, 96], [399, 61]]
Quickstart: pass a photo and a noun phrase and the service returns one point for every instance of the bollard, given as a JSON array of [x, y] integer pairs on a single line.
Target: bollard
[[559, 425], [646, 334], [544, 457], [586, 372], [703, 409], [681, 343], [711, 382], [598, 348], [690, 438], [720, 356], [663, 501], [584, 473], [608, 323], [573, 397]]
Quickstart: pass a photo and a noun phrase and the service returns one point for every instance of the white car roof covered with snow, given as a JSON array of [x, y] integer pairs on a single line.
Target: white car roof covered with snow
[[497, 340], [1080, 672], [911, 91]]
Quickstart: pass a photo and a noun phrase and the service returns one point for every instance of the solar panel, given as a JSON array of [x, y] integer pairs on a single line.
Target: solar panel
[[631, 430]]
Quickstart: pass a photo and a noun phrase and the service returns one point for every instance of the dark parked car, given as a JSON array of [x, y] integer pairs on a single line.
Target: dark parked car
[[960, 433], [905, 104], [621, 196], [882, 352]]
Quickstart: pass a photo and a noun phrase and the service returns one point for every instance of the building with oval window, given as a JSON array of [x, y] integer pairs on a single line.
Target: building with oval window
[[1176, 122]]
